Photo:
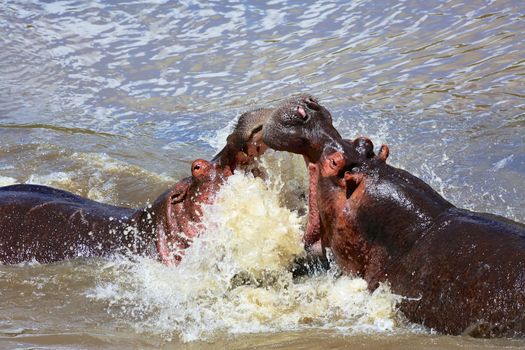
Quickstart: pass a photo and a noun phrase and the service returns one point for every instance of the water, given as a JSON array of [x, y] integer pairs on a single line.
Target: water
[[114, 101]]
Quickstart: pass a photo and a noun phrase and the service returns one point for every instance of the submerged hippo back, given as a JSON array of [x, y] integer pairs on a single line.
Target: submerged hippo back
[[47, 224]]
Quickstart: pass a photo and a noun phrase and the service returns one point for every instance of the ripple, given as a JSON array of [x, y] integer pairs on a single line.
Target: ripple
[[167, 75]]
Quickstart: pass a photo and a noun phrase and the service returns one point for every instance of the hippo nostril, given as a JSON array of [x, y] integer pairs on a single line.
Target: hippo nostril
[[301, 112], [196, 167]]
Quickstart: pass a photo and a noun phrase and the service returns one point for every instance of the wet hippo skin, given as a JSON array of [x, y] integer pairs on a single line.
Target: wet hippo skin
[[459, 271], [46, 224]]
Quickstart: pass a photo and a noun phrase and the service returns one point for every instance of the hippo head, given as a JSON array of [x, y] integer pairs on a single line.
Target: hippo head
[[301, 125], [177, 212], [339, 177], [298, 125], [345, 170], [332, 180]]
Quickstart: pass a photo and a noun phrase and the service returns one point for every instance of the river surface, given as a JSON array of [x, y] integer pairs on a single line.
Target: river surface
[[113, 101]]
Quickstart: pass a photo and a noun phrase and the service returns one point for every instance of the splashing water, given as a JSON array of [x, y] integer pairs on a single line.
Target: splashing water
[[146, 83], [235, 278]]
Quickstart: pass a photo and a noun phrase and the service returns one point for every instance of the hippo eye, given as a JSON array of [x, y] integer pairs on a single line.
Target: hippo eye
[[312, 104]]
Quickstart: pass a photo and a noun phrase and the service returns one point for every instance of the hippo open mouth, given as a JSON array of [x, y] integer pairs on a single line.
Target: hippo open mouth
[[245, 143], [339, 172], [303, 126], [457, 268]]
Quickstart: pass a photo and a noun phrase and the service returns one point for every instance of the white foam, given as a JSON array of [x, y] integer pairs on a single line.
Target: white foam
[[95, 176], [6, 181], [235, 277]]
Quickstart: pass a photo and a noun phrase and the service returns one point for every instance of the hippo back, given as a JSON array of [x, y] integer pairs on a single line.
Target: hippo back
[[47, 224]]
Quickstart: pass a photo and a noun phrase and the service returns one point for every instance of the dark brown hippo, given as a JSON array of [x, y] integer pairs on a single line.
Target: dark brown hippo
[[46, 224], [459, 271]]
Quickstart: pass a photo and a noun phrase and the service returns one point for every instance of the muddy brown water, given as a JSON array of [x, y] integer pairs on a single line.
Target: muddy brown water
[[114, 100]]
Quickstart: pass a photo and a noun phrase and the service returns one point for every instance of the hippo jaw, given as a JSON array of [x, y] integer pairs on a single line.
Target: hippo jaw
[[177, 213]]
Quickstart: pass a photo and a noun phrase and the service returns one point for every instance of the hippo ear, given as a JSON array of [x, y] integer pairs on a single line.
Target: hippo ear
[[178, 197], [364, 146], [200, 169], [179, 191], [384, 151]]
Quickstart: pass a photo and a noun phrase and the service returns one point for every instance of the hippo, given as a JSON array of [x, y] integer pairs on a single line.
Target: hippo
[[301, 125], [288, 127], [458, 271], [45, 224]]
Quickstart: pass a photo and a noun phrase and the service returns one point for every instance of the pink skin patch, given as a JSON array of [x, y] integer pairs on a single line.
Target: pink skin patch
[[313, 227], [300, 111]]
